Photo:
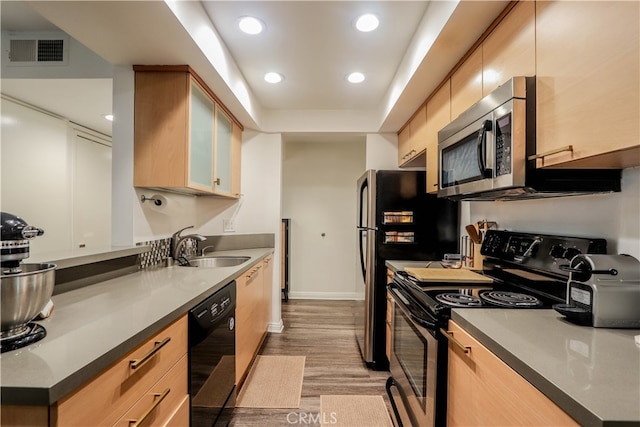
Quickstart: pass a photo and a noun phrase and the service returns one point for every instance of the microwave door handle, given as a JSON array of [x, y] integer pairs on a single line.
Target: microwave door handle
[[482, 148]]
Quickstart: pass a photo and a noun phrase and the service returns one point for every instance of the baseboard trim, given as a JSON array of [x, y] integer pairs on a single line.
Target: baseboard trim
[[325, 295], [276, 327]]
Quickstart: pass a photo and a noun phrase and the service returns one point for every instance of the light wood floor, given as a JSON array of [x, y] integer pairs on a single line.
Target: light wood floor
[[323, 331]]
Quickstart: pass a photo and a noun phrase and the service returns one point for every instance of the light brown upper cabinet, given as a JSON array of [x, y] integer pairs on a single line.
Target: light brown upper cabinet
[[184, 141], [438, 116], [466, 84], [404, 144], [588, 84], [412, 140], [510, 48]]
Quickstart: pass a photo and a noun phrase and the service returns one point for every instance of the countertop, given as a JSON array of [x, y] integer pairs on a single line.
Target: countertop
[[593, 374], [92, 327]]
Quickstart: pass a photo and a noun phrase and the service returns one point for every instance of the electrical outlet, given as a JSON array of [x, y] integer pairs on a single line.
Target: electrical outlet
[[228, 226]]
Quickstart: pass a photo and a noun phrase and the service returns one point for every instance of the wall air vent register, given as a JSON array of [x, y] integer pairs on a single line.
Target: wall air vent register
[[26, 49]]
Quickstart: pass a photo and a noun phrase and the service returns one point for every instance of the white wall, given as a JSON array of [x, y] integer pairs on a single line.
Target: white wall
[[48, 167], [381, 151], [37, 178], [615, 217], [319, 195]]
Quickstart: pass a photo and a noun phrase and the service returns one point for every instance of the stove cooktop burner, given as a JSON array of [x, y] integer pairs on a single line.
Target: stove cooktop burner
[[458, 300], [510, 299], [34, 333]]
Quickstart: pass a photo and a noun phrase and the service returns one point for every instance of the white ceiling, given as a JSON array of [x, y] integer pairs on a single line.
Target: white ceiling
[[313, 43]]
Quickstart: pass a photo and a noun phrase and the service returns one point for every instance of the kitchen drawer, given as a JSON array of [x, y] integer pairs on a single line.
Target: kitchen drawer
[[160, 402], [180, 417], [103, 400]]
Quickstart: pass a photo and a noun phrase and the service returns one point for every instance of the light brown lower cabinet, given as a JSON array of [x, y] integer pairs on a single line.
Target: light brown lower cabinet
[[254, 290], [249, 319], [152, 379], [483, 390]]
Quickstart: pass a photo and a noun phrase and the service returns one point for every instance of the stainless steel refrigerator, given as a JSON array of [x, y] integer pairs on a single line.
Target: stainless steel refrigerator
[[397, 220]]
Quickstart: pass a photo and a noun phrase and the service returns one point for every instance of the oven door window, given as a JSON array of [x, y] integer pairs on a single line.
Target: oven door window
[[411, 351]]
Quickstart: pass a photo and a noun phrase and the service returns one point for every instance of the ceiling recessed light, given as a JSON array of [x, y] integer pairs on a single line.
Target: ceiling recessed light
[[109, 117], [355, 77], [367, 22], [273, 77], [251, 25]]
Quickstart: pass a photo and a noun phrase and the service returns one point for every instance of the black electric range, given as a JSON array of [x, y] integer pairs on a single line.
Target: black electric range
[[529, 271]]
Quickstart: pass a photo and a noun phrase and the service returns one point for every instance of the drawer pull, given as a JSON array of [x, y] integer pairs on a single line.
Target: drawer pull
[[449, 336], [549, 153], [158, 397], [134, 364]]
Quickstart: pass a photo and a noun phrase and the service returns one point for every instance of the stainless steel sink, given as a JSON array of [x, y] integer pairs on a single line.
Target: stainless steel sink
[[216, 261]]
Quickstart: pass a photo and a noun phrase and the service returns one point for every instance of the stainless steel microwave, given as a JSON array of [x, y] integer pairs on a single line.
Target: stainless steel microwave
[[487, 153]]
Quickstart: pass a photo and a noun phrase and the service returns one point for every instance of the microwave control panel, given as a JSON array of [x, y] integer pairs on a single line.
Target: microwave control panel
[[503, 145]]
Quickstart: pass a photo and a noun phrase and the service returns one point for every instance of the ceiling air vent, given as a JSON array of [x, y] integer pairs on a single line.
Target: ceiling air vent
[[36, 51]]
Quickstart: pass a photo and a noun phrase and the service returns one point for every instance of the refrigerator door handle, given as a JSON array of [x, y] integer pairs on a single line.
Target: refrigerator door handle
[[362, 253]]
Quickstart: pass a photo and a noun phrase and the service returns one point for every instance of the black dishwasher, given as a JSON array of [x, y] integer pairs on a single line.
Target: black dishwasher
[[212, 361]]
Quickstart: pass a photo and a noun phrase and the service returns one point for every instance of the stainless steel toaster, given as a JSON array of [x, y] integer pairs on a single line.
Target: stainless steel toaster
[[603, 291]]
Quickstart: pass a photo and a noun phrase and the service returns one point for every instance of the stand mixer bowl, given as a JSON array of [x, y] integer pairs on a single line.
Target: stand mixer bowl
[[23, 295]]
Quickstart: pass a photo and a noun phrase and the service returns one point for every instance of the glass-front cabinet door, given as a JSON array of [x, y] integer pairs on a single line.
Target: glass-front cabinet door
[[223, 160], [201, 129]]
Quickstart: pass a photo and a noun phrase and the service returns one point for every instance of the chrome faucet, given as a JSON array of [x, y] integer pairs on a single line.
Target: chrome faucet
[[178, 241]]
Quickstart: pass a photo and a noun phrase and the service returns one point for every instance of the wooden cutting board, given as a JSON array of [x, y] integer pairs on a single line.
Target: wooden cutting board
[[459, 275]]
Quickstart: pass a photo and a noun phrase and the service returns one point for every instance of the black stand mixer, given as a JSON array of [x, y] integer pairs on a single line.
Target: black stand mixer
[[25, 288]]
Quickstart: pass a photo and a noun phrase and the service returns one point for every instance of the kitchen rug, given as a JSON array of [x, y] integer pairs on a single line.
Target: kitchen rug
[[273, 382], [354, 411]]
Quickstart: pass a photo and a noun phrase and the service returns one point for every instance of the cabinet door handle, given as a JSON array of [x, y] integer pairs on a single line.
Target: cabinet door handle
[[449, 336], [217, 181], [134, 364], [252, 272], [549, 153], [158, 397]]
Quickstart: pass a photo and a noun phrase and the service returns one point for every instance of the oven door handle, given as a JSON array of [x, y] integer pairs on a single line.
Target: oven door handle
[[404, 301], [482, 148], [392, 383]]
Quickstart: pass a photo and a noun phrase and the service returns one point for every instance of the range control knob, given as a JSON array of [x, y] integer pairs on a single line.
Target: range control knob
[[557, 251], [569, 253]]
